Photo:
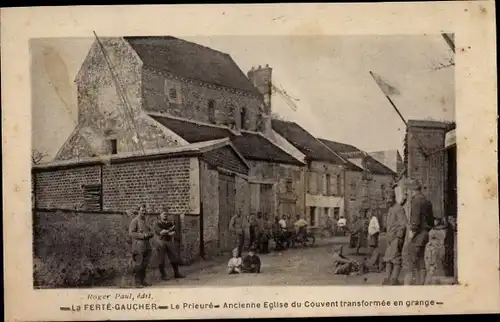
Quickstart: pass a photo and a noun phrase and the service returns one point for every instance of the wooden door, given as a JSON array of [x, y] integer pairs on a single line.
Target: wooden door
[[227, 210]]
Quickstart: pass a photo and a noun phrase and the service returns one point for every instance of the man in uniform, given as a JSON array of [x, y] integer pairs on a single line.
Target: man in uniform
[[164, 230], [421, 222], [141, 247], [395, 236], [236, 227]]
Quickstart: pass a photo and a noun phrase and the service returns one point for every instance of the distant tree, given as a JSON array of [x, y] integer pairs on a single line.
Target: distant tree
[[37, 156]]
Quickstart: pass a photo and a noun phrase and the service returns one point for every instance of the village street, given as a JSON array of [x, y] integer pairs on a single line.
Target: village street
[[303, 266]]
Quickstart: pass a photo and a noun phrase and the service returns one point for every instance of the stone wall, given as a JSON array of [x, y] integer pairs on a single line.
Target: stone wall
[[103, 115], [192, 101]]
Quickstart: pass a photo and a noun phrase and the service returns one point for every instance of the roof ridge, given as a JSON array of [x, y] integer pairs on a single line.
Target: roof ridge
[[176, 38]]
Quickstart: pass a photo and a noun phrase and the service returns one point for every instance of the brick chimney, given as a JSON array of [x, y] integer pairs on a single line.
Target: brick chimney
[[261, 78]]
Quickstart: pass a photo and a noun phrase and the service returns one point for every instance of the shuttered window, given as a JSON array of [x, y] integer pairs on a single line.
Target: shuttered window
[[92, 197]]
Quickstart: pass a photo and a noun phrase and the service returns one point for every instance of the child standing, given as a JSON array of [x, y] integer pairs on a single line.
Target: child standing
[[234, 264]]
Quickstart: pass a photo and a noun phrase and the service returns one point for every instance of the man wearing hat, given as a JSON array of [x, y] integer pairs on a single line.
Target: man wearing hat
[[164, 230], [141, 247], [421, 222]]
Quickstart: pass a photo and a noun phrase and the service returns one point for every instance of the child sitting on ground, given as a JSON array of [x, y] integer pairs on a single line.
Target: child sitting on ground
[[251, 262], [234, 264], [343, 265]]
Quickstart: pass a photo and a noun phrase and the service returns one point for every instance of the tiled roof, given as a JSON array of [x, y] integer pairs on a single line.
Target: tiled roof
[[253, 146], [193, 132], [349, 151], [306, 142], [190, 60], [340, 147]]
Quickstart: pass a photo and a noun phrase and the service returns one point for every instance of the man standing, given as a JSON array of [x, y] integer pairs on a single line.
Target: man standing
[[236, 227], [253, 229], [164, 230], [421, 222], [396, 230], [141, 247]]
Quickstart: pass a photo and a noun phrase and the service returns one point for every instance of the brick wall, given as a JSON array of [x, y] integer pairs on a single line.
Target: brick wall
[[159, 183], [226, 158], [429, 170], [194, 100], [101, 111], [63, 188]]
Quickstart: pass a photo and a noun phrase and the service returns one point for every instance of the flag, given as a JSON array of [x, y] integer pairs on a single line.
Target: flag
[[384, 86]]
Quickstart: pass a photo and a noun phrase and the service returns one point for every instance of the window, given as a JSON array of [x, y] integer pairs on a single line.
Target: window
[[339, 185], [328, 185], [326, 213], [243, 113], [353, 189], [289, 185], [114, 146], [312, 216], [172, 93], [382, 192], [312, 183], [336, 213], [324, 184], [211, 111]]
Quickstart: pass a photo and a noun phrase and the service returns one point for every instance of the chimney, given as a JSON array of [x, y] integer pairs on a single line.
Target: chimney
[[261, 78]]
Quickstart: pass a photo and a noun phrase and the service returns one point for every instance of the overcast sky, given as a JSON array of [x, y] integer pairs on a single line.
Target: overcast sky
[[329, 75]]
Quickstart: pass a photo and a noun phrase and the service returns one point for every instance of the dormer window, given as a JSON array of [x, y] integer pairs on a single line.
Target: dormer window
[[211, 111]]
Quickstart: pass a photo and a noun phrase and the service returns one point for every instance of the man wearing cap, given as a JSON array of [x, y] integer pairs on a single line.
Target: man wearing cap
[[396, 230], [421, 222], [141, 247], [164, 230], [236, 226]]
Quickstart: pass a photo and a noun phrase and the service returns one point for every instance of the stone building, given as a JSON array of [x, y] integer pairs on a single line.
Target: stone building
[[367, 189], [325, 172], [146, 102]]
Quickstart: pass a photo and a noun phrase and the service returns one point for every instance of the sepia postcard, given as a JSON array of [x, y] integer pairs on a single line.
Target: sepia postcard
[[230, 161]]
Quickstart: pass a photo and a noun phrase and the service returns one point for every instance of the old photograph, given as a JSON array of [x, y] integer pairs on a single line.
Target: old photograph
[[181, 161]]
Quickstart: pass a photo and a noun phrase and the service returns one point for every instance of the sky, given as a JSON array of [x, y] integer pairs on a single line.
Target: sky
[[337, 99]]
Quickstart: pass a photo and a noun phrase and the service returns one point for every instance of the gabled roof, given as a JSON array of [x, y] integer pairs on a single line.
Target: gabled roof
[[190, 60], [252, 145], [306, 143], [352, 152]]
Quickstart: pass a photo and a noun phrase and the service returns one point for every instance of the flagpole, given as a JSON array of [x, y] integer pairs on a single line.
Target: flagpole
[[424, 150], [390, 101]]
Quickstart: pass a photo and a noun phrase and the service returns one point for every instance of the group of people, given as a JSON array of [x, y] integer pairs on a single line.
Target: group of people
[[159, 237], [262, 229], [413, 227]]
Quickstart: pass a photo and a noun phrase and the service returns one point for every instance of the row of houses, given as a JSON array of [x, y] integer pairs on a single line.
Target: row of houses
[[180, 127]]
